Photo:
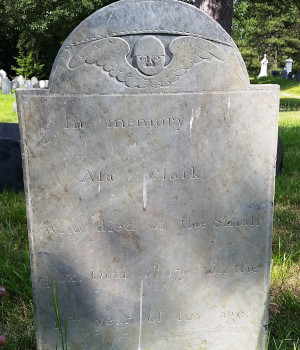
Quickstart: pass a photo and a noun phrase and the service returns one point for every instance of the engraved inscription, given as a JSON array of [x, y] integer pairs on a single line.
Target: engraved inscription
[[97, 176], [238, 268], [110, 226], [116, 274], [253, 220], [155, 318], [230, 317], [189, 174], [63, 230], [62, 279], [191, 316], [112, 322], [72, 123], [186, 224], [155, 122], [177, 274]]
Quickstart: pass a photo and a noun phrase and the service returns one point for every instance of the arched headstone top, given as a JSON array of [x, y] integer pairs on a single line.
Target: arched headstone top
[[135, 46]]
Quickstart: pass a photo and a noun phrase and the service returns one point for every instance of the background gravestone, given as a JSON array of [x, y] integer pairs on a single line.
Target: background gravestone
[[11, 173], [284, 74], [149, 168], [6, 86], [288, 66]]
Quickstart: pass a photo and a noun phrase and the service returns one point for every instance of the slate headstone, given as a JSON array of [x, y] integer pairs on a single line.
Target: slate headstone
[[275, 73], [284, 74], [290, 75], [6, 86], [11, 174], [298, 76], [149, 167]]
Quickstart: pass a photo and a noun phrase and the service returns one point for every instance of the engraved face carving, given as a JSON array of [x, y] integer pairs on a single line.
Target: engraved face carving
[[149, 55]]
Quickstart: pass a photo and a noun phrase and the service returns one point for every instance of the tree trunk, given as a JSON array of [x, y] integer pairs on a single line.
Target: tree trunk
[[219, 10]]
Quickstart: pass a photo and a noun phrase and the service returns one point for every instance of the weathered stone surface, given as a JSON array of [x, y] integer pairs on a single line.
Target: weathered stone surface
[[150, 188], [6, 86]]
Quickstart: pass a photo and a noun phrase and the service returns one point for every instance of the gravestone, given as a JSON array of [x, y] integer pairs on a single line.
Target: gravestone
[[288, 65], [298, 76], [43, 84], [21, 81], [275, 73], [290, 75], [11, 173], [280, 156], [3, 74], [6, 86], [264, 69], [284, 74], [149, 168], [28, 85], [15, 84]]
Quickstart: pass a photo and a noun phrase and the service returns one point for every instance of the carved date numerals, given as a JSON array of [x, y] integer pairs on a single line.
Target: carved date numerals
[[62, 279], [63, 230]]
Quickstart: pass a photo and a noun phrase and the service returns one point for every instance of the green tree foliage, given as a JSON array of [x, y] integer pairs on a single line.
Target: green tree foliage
[[28, 66], [32, 31], [39, 28], [265, 26]]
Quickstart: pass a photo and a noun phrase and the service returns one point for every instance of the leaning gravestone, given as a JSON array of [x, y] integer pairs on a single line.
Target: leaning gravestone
[[149, 166]]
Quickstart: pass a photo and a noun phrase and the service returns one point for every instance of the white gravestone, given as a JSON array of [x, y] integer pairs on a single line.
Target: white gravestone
[[264, 70], [288, 65], [149, 172]]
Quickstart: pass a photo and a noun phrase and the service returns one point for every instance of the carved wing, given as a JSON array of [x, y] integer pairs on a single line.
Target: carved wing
[[187, 51], [111, 55]]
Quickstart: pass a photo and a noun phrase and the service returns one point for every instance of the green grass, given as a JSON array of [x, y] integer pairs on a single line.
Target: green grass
[[16, 311], [290, 86], [6, 113], [285, 273]]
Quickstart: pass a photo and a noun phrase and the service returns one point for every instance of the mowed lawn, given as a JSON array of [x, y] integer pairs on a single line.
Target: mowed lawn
[[16, 311]]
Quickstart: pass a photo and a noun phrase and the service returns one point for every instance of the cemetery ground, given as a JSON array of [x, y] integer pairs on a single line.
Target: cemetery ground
[[16, 308]]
